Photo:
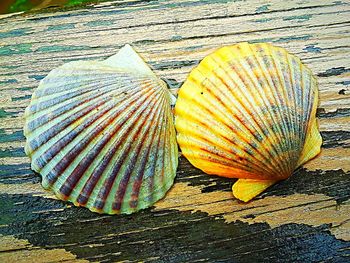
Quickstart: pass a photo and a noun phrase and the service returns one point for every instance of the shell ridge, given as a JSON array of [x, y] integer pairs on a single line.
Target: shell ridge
[[95, 201], [269, 83], [258, 95], [87, 136], [119, 193], [295, 113], [306, 104], [205, 108], [313, 141], [72, 73], [121, 190], [195, 144], [78, 109], [204, 138], [265, 98], [65, 129], [285, 80], [87, 160], [119, 155], [138, 190], [77, 87], [282, 83], [219, 157], [105, 160], [312, 92], [254, 122], [276, 100], [47, 84], [283, 118], [223, 103], [162, 188], [63, 119], [291, 95], [54, 87], [258, 121], [169, 142], [248, 131], [45, 142], [163, 145], [195, 133], [137, 176], [62, 106], [299, 104], [222, 165]]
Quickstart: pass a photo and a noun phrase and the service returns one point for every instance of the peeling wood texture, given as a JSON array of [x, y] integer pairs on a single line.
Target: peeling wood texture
[[303, 219]]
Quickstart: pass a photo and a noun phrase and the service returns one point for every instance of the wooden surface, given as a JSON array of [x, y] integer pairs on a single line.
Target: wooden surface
[[303, 219]]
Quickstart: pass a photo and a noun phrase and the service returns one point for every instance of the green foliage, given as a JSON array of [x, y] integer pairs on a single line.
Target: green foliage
[[20, 5], [25, 5], [78, 2]]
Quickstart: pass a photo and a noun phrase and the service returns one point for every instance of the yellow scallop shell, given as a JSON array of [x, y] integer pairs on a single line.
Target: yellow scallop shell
[[248, 111]]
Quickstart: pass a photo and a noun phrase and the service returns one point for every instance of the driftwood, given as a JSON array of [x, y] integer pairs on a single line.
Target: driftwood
[[303, 219]]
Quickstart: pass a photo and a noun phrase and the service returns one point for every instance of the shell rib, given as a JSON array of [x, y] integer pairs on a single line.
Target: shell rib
[[101, 134], [248, 111]]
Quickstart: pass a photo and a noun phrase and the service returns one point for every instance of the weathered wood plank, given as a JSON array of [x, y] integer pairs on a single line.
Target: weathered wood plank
[[303, 219]]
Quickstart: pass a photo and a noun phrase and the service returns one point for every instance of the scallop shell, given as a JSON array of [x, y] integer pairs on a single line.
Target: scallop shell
[[101, 134], [248, 111]]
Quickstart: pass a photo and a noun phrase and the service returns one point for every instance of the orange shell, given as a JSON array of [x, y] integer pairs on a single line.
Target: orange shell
[[248, 111]]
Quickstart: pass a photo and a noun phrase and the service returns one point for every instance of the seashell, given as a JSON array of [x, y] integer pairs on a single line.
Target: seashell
[[248, 111], [101, 134]]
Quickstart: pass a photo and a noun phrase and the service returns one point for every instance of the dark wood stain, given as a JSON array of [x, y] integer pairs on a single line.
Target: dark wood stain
[[174, 236]]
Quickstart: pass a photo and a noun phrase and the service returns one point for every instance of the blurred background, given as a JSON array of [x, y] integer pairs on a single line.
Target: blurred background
[[11, 6]]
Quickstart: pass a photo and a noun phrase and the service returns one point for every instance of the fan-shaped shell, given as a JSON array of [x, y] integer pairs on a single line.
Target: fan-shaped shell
[[248, 111], [101, 134]]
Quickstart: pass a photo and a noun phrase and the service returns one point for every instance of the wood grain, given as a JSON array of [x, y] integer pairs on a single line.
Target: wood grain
[[303, 219]]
